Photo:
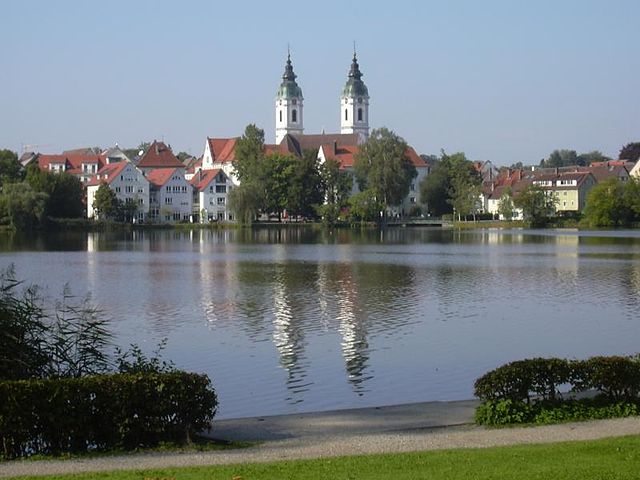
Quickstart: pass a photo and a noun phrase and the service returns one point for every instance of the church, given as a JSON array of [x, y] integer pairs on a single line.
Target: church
[[290, 137]]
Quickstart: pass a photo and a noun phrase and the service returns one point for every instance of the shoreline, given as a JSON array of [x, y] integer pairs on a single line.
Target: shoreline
[[376, 430]]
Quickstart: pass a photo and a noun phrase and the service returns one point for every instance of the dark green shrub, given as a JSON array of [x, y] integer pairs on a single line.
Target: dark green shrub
[[102, 412], [518, 380], [616, 377]]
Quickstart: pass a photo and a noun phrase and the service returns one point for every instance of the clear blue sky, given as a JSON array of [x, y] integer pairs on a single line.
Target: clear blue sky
[[501, 80]]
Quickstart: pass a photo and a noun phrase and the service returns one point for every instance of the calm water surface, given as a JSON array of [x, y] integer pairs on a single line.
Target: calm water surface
[[293, 320]]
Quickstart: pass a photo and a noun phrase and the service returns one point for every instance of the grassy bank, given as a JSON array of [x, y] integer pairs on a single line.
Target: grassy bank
[[617, 458]]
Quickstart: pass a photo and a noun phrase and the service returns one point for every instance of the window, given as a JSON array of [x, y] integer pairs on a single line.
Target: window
[[141, 201], [167, 189], [294, 115], [412, 199], [168, 201], [176, 216], [359, 114], [294, 101], [221, 189], [413, 187], [221, 178], [346, 114], [128, 189], [280, 112], [220, 216], [221, 200], [117, 189], [211, 189], [140, 190]]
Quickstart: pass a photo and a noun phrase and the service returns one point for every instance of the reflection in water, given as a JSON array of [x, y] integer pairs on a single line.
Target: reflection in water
[[295, 319]]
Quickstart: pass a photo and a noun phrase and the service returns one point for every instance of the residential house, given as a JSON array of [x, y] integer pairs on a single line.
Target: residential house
[[211, 190], [569, 188], [170, 195], [83, 165], [127, 181]]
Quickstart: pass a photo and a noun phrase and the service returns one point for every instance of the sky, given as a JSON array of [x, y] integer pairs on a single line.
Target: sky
[[505, 81]]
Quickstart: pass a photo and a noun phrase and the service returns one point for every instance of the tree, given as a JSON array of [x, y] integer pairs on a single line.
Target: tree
[[277, 172], [22, 207], [337, 184], [10, 168], [305, 186], [105, 203], [560, 158], [506, 208], [249, 154], [591, 157], [65, 192], [606, 206], [382, 166], [453, 183], [537, 205], [244, 201], [630, 152], [365, 207]]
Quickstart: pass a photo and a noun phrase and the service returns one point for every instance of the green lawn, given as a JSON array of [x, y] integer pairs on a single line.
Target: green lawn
[[617, 458]]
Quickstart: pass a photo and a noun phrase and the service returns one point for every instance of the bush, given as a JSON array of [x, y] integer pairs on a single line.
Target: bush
[[616, 377], [102, 412], [508, 390], [518, 380]]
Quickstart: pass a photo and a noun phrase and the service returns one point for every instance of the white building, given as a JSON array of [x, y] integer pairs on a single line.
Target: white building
[[211, 190], [127, 181], [170, 195]]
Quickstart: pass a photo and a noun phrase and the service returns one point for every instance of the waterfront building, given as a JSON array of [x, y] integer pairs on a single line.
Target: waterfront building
[[127, 181], [170, 195], [210, 196]]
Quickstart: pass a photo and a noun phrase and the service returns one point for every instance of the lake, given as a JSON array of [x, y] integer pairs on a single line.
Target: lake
[[288, 320]]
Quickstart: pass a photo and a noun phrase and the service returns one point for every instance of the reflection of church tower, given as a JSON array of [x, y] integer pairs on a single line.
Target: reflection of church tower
[[289, 99], [354, 103]]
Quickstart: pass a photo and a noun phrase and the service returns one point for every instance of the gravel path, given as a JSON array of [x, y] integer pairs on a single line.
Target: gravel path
[[341, 440]]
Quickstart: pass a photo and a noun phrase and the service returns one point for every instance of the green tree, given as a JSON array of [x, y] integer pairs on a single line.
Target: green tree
[[453, 183], [506, 208], [249, 154], [21, 207], [632, 197], [365, 207], [630, 152], [606, 207], [560, 158], [537, 205], [245, 201], [591, 157], [382, 166], [10, 168], [336, 188], [106, 203], [277, 174], [305, 186], [65, 192]]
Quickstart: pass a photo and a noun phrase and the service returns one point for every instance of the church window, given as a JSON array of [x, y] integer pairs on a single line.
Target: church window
[[346, 114], [359, 99], [359, 114], [280, 115], [294, 116], [294, 101]]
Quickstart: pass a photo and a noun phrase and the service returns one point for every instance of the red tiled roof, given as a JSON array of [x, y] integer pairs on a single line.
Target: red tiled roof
[[344, 155], [158, 155], [160, 176], [107, 173], [202, 179], [222, 149], [416, 160], [73, 161], [195, 166]]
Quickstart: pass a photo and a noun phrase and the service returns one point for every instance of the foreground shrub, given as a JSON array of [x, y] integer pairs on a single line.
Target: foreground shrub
[[616, 377], [519, 380], [103, 412], [527, 391]]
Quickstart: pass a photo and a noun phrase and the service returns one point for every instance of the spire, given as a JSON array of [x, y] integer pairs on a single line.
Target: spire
[[355, 68], [289, 88], [288, 69]]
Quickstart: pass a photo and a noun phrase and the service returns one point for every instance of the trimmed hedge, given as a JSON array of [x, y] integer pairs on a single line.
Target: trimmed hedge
[[102, 412], [527, 391]]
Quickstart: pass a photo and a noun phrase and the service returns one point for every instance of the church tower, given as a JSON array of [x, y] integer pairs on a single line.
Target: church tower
[[289, 99], [354, 103]]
